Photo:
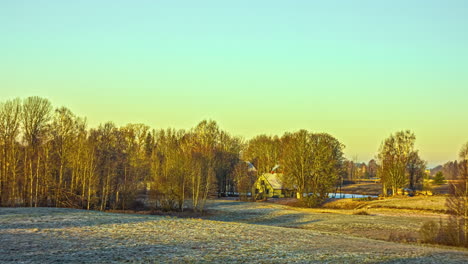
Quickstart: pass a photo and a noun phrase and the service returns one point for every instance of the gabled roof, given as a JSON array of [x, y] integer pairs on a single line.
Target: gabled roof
[[274, 179]]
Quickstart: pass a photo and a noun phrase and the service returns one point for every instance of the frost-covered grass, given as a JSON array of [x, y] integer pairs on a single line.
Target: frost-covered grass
[[244, 233], [378, 224]]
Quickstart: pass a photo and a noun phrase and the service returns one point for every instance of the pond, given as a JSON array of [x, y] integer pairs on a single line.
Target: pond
[[348, 195]]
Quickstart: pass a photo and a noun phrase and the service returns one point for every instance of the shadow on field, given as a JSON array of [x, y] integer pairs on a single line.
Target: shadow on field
[[40, 218], [243, 213], [54, 248], [285, 220]]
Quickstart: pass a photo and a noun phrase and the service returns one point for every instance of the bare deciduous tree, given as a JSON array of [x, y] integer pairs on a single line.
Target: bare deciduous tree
[[264, 152], [312, 164], [399, 162], [458, 201], [10, 118], [36, 117]]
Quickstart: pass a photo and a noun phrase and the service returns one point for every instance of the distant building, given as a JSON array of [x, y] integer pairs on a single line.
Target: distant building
[[251, 167]]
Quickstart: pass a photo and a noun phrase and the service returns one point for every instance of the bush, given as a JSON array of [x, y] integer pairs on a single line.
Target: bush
[[313, 201], [401, 237], [439, 178], [429, 232], [440, 233]]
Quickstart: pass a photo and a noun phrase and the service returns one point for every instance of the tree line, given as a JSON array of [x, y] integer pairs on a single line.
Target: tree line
[[450, 170], [49, 157]]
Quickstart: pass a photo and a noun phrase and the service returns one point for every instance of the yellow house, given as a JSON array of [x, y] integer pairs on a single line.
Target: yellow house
[[270, 185]]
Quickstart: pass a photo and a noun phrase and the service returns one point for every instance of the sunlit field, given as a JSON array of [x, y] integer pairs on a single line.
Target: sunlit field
[[423, 203]]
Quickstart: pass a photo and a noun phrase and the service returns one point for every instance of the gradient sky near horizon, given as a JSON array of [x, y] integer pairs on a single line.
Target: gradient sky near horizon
[[358, 70]]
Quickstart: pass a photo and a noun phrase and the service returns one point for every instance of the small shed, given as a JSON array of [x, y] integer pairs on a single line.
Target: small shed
[[270, 185]]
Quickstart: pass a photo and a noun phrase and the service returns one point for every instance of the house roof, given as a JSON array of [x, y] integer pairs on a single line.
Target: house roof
[[251, 166], [274, 180]]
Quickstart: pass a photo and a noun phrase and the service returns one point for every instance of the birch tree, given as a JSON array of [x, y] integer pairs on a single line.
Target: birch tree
[[64, 136], [205, 141], [36, 116], [10, 120]]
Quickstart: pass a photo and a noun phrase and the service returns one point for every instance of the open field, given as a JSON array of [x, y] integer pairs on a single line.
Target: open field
[[375, 188], [424, 203], [429, 203], [380, 223], [235, 232]]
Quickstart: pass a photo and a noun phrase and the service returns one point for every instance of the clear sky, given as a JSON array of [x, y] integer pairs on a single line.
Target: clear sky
[[358, 70]]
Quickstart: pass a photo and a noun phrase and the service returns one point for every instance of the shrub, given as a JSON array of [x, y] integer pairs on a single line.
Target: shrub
[[429, 232], [368, 198], [440, 233], [401, 237], [313, 200], [439, 178]]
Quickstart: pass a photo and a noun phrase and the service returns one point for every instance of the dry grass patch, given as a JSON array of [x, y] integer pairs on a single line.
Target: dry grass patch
[[434, 204], [346, 204], [428, 203]]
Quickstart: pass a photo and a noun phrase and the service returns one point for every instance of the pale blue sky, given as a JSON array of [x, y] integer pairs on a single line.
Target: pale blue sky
[[359, 70]]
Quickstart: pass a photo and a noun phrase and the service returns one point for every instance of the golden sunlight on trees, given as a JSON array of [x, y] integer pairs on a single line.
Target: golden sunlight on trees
[[50, 158], [10, 119], [313, 164], [458, 201], [264, 152], [399, 162], [61, 163], [36, 116], [191, 165]]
